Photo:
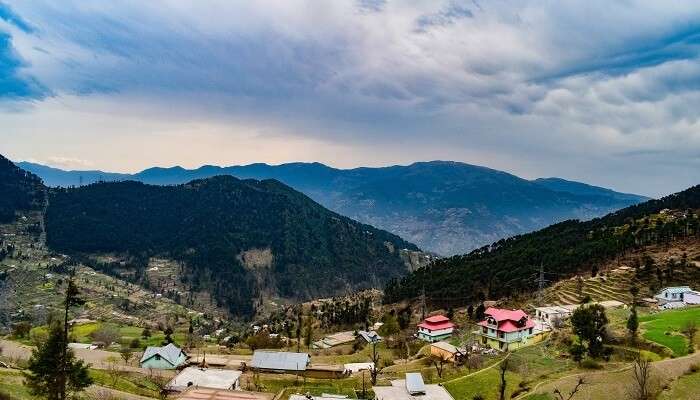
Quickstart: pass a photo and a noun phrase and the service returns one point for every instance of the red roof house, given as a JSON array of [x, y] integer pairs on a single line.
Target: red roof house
[[502, 327], [435, 328]]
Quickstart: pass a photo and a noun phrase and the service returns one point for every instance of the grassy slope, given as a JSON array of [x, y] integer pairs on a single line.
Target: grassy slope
[[664, 328]]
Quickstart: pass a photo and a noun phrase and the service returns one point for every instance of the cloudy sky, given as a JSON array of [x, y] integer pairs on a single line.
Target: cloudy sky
[[600, 91]]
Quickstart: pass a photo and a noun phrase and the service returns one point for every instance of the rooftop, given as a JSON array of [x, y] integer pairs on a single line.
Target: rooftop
[[170, 353], [397, 391], [213, 394], [280, 360]]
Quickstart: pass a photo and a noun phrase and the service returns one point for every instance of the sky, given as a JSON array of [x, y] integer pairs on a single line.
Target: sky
[[605, 92]]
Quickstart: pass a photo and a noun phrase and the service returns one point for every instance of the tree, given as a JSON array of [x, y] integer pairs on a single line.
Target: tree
[[633, 323], [146, 333], [642, 387], [479, 313], [439, 362], [577, 351], [374, 371], [126, 354], [503, 384], [168, 336], [589, 323], [106, 334], [470, 311], [573, 391], [689, 330], [634, 291], [309, 333], [53, 370]]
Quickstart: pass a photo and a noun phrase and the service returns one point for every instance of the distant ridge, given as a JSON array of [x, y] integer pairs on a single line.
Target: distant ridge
[[446, 207]]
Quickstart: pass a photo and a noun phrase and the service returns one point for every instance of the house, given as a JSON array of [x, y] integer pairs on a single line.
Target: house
[[221, 394], [673, 294], [369, 336], [411, 388], [279, 361], [435, 328], [447, 352], [166, 357], [691, 298], [353, 368], [82, 346], [208, 378], [335, 339], [506, 329], [553, 315]]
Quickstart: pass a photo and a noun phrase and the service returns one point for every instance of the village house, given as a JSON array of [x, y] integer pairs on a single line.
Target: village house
[[411, 388], [280, 361], [552, 316], [166, 357], [447, 352], [369, 337], [677, 297], [435, 328], [207, 378], [506, 329]]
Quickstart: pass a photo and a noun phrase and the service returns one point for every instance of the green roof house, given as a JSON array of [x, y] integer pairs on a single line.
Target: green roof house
[[166, 357]]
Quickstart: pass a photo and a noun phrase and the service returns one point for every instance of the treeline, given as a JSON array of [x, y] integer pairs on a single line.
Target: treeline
[[207, 224], [509, 266], [19, 190]]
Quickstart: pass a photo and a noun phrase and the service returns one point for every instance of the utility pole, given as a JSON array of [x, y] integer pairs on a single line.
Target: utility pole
[[423, 307], [540, 285]]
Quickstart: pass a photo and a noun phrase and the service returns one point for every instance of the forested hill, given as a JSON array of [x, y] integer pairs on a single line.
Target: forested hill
[[19, 190], [509, 266], [236, 237], [443, 206]]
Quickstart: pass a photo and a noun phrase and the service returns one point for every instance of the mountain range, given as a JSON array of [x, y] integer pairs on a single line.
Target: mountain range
[[238, 240], [511, 267], [443, 206]]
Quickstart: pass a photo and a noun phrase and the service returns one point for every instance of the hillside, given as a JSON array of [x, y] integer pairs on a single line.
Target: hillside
[[237, 239], [444, 207], [509, 266], [19, 190]]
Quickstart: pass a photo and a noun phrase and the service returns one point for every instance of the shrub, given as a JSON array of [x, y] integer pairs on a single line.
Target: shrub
[[694, 368], [135, 343], [591, 364]]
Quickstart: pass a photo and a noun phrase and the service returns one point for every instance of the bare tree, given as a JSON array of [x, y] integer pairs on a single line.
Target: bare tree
[[375, 359], [159, 381], [573, 391], [439, 362], [502, 388], [642, 385]]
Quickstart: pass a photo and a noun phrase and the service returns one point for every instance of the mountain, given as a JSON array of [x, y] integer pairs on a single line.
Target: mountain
[[58, 177], [238, 240], [582, 189], [443, 206], [19, 191], [509, 267]]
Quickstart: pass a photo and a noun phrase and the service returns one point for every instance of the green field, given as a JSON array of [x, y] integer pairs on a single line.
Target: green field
[[11, 385], [665, 328]]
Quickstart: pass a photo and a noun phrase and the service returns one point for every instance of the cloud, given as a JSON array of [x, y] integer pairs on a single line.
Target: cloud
[[521, 85], [68, 162]]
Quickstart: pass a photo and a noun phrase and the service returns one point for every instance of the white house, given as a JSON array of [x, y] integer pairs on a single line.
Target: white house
[[411, 388], [552, 315], [677, 297]]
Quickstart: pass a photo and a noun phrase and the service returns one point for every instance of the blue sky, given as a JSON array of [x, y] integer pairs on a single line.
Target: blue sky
[[600, 91]]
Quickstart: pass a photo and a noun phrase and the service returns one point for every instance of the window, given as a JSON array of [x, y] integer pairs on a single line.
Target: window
[[158, 357], [530, 331]]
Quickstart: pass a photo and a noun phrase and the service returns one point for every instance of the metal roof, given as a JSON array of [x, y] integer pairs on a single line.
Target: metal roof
[[414, 383], [676, 289], [280, 360], [170, 353]]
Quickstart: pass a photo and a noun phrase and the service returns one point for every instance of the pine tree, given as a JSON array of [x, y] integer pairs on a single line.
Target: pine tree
[[53, 370], [633, 323]]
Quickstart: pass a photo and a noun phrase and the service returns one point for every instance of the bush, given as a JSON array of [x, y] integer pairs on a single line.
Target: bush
[[21, 329], [694, 368], [591, 364], [135, 343]]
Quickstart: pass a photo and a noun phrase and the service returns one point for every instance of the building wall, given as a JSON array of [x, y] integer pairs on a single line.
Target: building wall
[[157, 364], [691, 298], [432, 337], [502, 345]]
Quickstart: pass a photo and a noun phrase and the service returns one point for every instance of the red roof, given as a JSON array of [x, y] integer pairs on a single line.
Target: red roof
[[507, 319], [436, 322], [436, 319]]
